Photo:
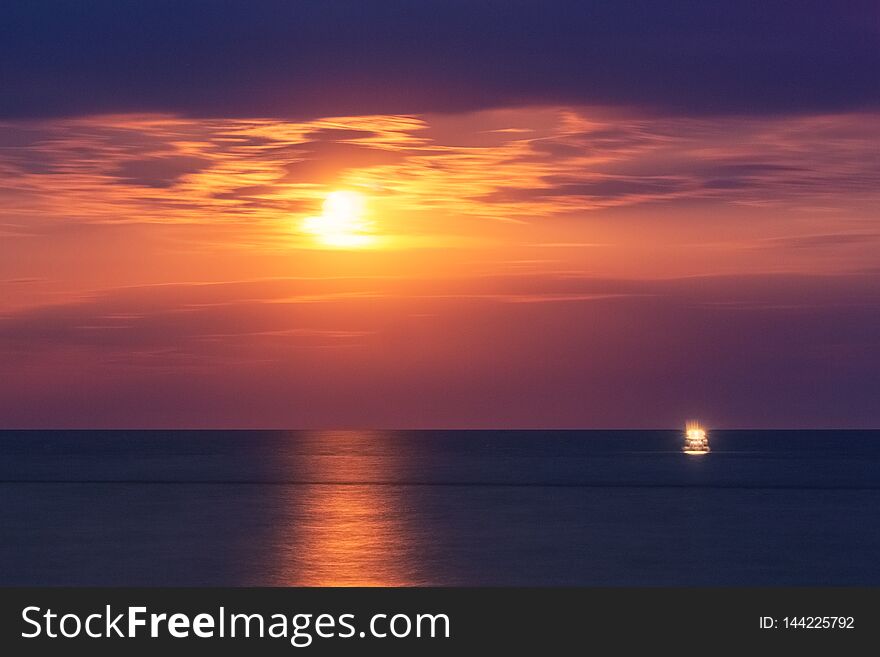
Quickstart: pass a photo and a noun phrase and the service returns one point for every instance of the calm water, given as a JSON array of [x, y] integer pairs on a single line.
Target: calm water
[[438, 507]]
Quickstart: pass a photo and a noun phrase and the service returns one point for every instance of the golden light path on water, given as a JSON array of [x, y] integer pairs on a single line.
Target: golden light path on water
[[348, 532]]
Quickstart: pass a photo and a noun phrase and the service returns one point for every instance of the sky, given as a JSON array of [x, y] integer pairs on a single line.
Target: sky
[[439, 214]]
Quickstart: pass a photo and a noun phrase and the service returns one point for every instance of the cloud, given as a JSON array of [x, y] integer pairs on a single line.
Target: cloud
[[262, 175], [320, 161], [184, 313], [827, 240], [160, 172], [771, 350], [306, 59], [208, 323], [338, 134], [21, 281], [601, 188]]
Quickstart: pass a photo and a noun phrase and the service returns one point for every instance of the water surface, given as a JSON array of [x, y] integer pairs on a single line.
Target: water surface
[[438, 508]]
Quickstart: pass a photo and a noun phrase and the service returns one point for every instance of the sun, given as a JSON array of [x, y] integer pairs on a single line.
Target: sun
[[343, 222]]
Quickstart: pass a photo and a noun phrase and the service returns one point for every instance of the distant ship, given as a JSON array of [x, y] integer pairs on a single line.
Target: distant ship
[[695, 441]]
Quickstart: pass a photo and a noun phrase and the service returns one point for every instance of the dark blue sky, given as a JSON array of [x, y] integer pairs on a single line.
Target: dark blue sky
[[300, 59]]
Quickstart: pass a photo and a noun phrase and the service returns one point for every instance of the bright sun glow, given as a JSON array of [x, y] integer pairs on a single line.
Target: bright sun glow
[[343, 223]]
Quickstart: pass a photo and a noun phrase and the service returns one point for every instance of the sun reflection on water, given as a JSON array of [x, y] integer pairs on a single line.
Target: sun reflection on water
[[348, 532]]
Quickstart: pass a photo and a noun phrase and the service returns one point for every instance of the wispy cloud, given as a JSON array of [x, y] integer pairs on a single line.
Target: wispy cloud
[[436, 352], [261, 175]]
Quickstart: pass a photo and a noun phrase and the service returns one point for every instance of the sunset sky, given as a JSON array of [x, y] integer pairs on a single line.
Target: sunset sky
[[547, 214]]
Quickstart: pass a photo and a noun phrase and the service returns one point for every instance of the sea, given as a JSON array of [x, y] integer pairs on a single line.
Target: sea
[[438, 508]]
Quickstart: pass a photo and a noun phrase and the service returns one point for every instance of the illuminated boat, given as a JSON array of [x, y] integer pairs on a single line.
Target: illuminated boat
[[695, 441]]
